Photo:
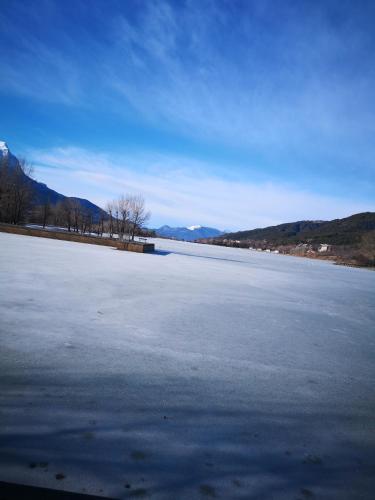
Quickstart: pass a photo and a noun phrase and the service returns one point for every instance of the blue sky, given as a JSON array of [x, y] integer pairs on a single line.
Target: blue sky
[[224, 113]]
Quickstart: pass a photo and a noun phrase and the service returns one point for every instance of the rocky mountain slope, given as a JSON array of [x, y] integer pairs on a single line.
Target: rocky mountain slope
[[41, 192]]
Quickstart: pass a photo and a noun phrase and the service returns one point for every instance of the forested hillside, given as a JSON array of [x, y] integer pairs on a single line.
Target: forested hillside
[[347, 231]]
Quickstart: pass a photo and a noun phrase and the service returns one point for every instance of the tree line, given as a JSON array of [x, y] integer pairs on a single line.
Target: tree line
[[124, 217]]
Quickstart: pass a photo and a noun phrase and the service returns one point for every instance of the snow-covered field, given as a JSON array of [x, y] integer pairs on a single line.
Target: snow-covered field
[[195, 372]]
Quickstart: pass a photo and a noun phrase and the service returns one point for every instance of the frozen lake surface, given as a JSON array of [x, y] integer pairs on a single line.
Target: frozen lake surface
[[195, 372]]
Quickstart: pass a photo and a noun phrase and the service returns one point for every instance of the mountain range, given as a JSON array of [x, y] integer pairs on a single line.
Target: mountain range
[[346, 231], [190, 233], [42, 193]]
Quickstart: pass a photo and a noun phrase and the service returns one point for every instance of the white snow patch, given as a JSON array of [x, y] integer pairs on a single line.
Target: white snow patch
[[4, 147]]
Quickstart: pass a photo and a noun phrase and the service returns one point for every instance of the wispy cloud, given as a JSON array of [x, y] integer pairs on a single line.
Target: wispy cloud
[[249, 78], [180, 191], [291, 84], [273, 77], [31, 66]]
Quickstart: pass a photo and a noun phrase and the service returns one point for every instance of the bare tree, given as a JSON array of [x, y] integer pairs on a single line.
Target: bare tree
[[66, 213], [101, 221], [5, 192], [76, 211], [41, 214], [116, 217], [124, 211], [45, 211], [138, 214], [109, 210], [16, 191], [87, 221]]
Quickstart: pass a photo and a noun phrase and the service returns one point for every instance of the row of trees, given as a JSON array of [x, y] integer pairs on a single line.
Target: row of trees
[[124, 217], [68, 214], [127, 216]]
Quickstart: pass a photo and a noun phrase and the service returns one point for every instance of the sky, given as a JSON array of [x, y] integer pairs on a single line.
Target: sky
[[230, 114]]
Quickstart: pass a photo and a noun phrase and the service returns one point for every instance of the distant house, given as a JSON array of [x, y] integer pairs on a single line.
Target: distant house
[[323, 247]]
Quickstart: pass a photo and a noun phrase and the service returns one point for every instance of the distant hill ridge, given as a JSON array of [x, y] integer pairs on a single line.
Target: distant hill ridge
[[346, 231], [190, 233]]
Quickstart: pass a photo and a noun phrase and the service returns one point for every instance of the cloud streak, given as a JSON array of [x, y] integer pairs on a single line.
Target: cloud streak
[[182, 192]]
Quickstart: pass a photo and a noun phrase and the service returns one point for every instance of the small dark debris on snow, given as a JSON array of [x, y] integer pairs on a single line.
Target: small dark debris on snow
[[307, 493], [207, 490], [312, 459], [138, 455], [138, 493], [42, 465]]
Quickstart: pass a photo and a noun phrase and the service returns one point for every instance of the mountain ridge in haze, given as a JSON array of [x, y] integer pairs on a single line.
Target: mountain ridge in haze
[[189, 233]]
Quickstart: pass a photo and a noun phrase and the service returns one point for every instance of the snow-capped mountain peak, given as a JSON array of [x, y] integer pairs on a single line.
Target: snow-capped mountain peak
[[187, 233], [4, 148], [6, 155]]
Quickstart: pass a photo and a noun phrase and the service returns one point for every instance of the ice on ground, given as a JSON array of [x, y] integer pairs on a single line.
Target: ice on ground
[[194, 372]]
